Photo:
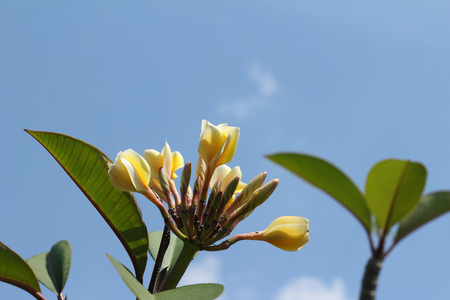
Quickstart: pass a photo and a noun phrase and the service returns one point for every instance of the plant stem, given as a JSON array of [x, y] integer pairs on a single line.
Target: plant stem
[[184, 259], [165, 241], [370, 279]]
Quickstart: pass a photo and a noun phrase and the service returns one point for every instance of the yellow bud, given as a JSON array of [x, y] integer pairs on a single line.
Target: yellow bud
[[130, 172], [217, 143], [200, 169], [289, 233]]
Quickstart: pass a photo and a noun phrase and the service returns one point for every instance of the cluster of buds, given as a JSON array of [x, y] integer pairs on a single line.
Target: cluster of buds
[[218, 201]]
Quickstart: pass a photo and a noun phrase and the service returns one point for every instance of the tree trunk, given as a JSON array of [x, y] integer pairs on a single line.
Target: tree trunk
[[370, 279]]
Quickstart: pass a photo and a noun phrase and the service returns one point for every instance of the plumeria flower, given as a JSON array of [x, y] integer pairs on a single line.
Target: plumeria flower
[[217, 143], [226, 175], [166, 159], [210, 210], [130, 172], [207, 212]]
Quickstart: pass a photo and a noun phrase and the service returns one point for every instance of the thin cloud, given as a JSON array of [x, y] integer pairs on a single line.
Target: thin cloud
[[264, 80], [240, 108], [266, 87], [311, 288]]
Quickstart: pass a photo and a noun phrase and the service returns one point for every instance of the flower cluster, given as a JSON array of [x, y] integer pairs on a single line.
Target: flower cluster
[[218, 201]]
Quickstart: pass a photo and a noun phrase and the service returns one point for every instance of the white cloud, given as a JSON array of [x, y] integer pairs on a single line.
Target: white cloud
[[240, 108], [266, 87], [205, 270], [310, 288], [265, 81]]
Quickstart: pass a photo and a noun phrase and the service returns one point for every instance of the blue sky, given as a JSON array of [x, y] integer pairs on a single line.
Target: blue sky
[[349, 81]]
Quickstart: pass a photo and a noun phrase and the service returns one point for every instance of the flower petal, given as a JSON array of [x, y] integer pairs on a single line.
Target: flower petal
[[177, 163], [219, 173], [287, 220], [291, 245], [154, 159]]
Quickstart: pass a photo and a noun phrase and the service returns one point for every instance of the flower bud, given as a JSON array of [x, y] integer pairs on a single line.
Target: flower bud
[[289, 233], [257, 198], [245, 194], [130, 172], [200, 170]]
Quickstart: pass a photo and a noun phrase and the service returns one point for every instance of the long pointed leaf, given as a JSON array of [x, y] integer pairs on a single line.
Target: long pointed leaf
[[430, 207], [52, 268], [393, 189], [328, 178], [88, 168], [14, 270], [133, 284], [204, 291]]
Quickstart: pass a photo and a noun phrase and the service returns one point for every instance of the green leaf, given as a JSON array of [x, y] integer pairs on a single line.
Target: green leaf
[[14, 270], [430, 207], [88, 168], [393, 189], [133, 284], [172, 252], [328, 178], [38, 264], [52, 268], [204, 291]]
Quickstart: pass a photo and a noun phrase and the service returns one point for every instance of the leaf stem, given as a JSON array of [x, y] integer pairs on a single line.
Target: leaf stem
[[37, 295], [372, 245], [184, 259], [390, 248]]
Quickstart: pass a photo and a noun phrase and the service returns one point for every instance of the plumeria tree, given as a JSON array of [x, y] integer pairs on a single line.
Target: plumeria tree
[[392, 200], [197, 217]]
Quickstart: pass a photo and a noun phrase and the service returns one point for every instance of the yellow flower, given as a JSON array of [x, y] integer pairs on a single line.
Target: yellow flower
[[226, 174], [130, 172], [217, 143], [289, 233], [170, 161]]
